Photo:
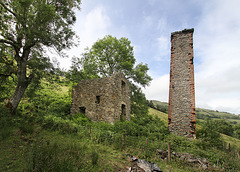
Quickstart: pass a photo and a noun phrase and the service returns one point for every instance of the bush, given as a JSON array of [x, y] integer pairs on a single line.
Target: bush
[[209, 135], [47, 99], [128, 128], [58, 124], [80, 119], [237, 131], [223, 126], [179, 143]]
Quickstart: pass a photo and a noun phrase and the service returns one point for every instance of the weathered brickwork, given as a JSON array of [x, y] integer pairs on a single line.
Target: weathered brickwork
[[105, 99], [181, 110]]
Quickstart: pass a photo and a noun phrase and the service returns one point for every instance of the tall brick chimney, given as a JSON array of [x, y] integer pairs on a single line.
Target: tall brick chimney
[[181, 109]]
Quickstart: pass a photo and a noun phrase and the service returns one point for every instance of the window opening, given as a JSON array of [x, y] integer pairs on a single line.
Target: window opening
[[123, 86], [97, 99], [82, 110], [191, 61]]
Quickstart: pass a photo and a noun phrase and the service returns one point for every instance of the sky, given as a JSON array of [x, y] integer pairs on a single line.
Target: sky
[[148, 24]]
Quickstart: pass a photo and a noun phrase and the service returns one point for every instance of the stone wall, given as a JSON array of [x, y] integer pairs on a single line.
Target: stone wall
[[181, 110], [104, 99]]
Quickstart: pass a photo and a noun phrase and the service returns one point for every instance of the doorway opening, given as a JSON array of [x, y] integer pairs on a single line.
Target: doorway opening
[[123, 114]]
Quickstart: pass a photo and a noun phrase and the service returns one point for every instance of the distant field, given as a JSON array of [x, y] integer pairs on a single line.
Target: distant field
[[233, 141], [161, 115], [206, 113]]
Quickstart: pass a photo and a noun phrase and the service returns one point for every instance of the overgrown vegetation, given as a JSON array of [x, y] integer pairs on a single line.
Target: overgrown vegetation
[[221, 122], [46, 136], [72, 148], [37, 131]]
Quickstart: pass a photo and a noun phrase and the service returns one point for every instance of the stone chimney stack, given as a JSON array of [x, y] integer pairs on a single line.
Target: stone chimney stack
[[181, 109]]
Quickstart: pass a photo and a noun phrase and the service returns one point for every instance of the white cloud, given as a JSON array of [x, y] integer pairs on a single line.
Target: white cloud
[[217, 42], [217, 53], [158, 89], [90, 27], [163, 48], [95, 25]]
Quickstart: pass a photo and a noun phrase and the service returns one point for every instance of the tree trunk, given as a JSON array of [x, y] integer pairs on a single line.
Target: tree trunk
[[22, 83], [17, 96]]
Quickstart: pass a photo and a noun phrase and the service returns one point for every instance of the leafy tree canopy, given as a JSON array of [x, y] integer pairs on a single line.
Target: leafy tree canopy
[[110, 55], [27, 27]]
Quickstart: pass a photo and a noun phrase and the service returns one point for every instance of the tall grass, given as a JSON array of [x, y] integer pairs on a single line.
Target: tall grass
[[45, 156]]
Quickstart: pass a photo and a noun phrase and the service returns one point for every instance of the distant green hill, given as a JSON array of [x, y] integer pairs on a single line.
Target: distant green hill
[[202, 113], [164, 117]]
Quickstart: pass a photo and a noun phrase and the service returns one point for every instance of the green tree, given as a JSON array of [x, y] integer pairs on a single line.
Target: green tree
[[162, 108], [209, 134], [7, 72], [222, 126], [237, 131], [139, 104], [110, 55], [27, 27], [150, 104]]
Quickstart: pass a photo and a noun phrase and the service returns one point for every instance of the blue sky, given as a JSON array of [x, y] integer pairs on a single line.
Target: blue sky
[[148, 25]]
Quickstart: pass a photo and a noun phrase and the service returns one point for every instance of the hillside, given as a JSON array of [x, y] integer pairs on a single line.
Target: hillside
[[205, 113], [164, 117], [56, 144], [43, 136]]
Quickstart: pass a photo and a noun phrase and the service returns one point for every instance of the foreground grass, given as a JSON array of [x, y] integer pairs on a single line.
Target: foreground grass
[[29, 147], [232, 141], [21, 152], [45, 150]]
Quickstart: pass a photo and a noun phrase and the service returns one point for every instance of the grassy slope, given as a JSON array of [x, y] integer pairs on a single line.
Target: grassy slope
[[206, 113], [15, 152], [231, 140], [163, 116]]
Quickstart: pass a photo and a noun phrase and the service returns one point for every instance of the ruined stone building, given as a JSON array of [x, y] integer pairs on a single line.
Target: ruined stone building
[[181, 110], [104, 99]]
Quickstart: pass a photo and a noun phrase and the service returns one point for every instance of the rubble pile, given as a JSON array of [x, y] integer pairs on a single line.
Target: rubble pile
[[190, 158], [141, 165]]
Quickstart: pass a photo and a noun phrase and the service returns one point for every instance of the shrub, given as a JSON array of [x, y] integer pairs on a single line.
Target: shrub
[[179, 143], [209, 135], [60, 105], [103, 126], [80, 119], [237, 131], [58, 124], [128, 128], [222, 126]]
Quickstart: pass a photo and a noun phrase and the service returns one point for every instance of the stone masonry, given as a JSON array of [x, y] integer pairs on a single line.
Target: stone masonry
[[104, 99], [181, 110]]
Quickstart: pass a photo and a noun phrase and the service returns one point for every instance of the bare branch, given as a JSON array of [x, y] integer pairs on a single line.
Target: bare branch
[[7, 42], [5, 75], [6, 8], [14, 45]]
